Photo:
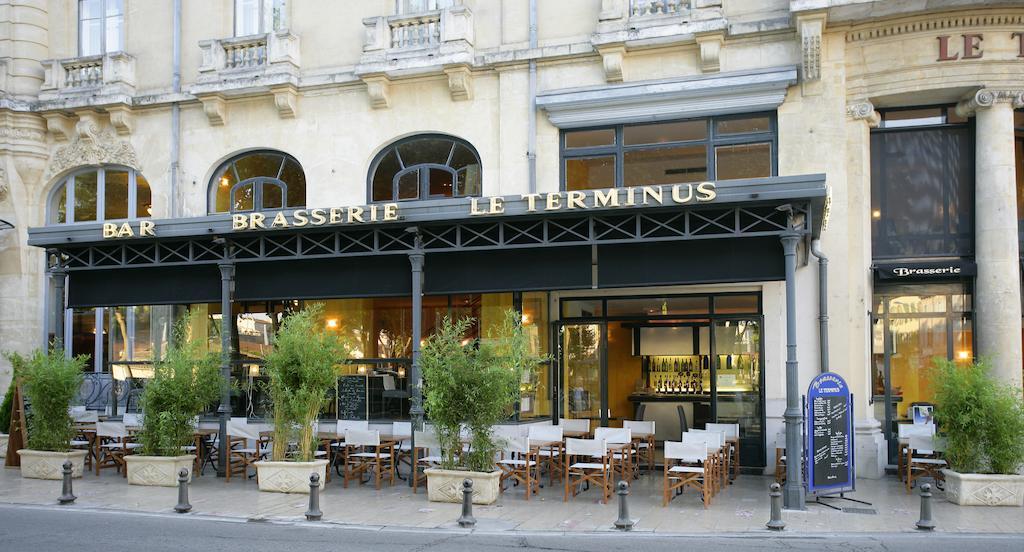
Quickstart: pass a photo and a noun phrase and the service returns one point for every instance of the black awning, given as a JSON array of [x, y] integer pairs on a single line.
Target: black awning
[[144, 286], [378, 276], [690, 262], [508, 270], [924, 271]]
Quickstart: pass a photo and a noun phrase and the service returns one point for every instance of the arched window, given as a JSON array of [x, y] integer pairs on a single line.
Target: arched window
[[257, 180], [425, 167], [106, 193]]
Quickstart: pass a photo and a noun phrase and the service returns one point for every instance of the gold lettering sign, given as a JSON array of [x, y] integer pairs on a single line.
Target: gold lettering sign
[[146, 228]]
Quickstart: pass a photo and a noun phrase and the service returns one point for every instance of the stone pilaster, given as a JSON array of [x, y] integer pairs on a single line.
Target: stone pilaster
[[997, 289]]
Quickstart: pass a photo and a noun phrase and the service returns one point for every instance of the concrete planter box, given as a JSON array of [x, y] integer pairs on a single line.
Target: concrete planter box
[[446, 485], [42, 464], [979, 489], [3, 444], [157, 471], [289, 477]]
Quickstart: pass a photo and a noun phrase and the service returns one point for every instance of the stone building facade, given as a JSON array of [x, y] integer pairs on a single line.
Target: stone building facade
[[119, 86]]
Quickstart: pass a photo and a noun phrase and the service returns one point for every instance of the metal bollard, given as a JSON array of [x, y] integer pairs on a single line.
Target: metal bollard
[[314, 513], [926, 523], [776, 523], [623, 523], [183, 505], [467, 520], [66, 496]]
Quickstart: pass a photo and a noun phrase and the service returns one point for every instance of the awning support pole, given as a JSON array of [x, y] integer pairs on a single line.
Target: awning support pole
[[793, 493], [416, 260], [59, 275], [227, 327]]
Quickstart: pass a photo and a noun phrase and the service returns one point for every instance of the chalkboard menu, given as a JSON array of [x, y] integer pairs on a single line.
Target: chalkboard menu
[[352, 400], [829, 440]]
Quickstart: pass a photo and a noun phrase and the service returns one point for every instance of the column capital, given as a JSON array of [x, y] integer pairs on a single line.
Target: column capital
[[863, 111], [988, 97]]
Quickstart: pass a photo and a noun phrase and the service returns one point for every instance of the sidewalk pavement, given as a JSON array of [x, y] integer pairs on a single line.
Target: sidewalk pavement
[[742, 507]]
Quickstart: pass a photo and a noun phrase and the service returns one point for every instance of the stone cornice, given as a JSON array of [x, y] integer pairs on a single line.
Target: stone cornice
[[986, 97], [863, 111], [931, 23]]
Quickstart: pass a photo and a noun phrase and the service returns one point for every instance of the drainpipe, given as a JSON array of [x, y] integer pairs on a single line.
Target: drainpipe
[[531, 148], [822, 303], [175, 110]]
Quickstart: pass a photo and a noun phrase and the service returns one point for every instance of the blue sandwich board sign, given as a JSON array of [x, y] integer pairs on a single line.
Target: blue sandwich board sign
[[830, 466]]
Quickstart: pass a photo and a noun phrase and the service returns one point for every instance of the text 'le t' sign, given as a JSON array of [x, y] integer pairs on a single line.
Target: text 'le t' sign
[[969, 46]]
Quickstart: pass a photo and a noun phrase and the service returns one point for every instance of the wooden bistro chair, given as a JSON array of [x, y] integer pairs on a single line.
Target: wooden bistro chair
[[550, 457], [924, 459], [780, 458], [684, 467], [519, 464], [240, 455], [426, 441], [401, 432], [577, 428], [622, 455], [643, 443], [719, 450], [710, 464], [903, 433], [732, 441], [113, 443], [587, 461], [359, 460], [337, 446]]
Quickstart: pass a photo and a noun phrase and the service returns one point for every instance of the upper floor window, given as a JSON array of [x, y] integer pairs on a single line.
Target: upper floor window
[[258, 180], [100, 26], [259, 16], [108, 193], [420, 6], [922, 184], [692, 150], [425, 167]]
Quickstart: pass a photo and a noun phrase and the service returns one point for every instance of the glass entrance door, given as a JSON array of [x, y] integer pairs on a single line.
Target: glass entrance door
[[737, 384], [583, 367]]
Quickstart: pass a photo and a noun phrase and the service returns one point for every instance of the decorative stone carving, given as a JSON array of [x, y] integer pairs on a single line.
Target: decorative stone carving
[[289, 477], [92, 145], [286, 100], [378, 87], [5, 188], [38, 464], [121, 119], [810, 28], [216, 109], [865, 111], [157, 471], [59, 125], [710, 51], [976, 489], [460, 82], [446, 485], [613, 59], [987, 98]]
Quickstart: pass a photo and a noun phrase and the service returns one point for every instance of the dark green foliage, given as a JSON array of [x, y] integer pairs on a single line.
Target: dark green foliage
[[981, 418], [473, 385], [301, 368], [5, 408], [184, 384], [50, 381]]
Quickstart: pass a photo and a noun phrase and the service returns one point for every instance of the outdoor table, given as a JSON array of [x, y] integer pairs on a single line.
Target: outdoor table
[[202, 446], [88, 430]]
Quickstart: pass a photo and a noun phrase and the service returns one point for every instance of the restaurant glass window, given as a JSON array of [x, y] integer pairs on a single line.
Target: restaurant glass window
[[107, 193], [429, 166], [535, 388], [406, 7], [922, 184], [912, 325], [100, 27], [258, 180], [691, 150]]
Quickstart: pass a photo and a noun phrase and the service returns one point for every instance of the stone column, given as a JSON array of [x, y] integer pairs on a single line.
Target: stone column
[[997, 290], [870, 449]]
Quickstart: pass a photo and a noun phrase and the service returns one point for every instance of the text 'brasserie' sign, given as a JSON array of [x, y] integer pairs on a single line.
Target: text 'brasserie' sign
[[679, 194]]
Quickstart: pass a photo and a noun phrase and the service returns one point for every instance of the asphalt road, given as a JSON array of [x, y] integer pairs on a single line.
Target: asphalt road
[[36, 529]]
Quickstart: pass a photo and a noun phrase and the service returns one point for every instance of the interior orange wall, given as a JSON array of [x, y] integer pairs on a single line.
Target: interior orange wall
[[624, 370]]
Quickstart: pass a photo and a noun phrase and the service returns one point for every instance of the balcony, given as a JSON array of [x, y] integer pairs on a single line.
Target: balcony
[[624, 25], [90, 80]]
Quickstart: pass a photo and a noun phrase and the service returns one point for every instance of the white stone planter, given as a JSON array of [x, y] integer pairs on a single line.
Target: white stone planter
[[41, 464], [980, 489], [157, 471], [289, 477], [3, 444], [446, 485]]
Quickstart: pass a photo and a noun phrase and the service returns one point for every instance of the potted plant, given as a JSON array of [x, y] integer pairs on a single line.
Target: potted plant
[[50, 380], [473, 385], [301, 371], [184, 384], [5, 418], [982, 421]]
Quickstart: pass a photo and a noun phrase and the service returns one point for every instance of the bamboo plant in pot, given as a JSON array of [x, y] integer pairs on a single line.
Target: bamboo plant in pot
[[50, 380], [472, 385], [185, 383], [982, 421], [302, 370]]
